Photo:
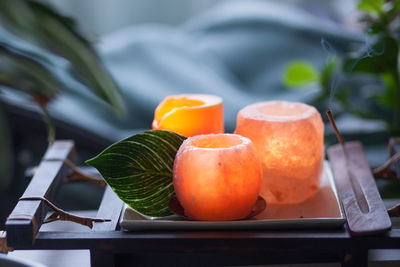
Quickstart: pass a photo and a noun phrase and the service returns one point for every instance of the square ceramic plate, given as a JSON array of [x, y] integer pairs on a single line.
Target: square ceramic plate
[[323, 210]]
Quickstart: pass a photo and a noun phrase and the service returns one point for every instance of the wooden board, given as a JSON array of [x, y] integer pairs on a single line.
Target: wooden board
[[365, 211], [25, 220], [110, 208]]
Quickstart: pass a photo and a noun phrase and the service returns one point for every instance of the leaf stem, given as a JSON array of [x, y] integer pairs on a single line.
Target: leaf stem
[[51, 130]]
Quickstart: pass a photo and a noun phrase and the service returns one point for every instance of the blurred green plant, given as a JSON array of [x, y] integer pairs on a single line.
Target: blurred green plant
[[43, 27], [378, 58], [300, 73], [40, 28]]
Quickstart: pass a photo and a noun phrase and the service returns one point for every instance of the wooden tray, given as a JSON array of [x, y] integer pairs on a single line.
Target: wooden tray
[[111, 246]]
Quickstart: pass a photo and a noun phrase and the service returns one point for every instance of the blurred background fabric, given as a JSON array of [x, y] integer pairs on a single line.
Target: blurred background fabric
[[236, 49], [100, 17]]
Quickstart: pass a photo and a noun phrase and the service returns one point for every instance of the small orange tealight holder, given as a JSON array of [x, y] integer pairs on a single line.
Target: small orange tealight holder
[[289, 138], [217, 177], [190, 114]]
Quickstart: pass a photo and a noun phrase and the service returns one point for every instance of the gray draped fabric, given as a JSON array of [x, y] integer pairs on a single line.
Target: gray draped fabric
[[237, 50]]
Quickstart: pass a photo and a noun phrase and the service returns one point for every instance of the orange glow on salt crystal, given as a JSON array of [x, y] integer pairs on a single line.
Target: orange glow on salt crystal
[[217, 177], [289, 138], [190, 114]]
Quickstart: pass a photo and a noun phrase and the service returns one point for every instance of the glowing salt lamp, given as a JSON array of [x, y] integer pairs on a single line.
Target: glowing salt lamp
[[217, 177], [288, 137], [190, 114]]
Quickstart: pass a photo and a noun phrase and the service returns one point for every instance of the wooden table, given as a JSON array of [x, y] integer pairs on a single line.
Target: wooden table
[[110, 246]]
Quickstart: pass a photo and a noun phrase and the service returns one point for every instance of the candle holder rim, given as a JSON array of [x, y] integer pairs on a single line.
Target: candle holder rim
[[244, 141], [253, 112], [216, 100]]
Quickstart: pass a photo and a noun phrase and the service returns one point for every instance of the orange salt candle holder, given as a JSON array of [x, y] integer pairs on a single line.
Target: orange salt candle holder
[[217, 177], [288, 137], [190, 114]]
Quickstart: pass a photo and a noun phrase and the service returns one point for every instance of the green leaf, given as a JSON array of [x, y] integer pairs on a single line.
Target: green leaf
[[43, 26], [388, 98], [394, 9], [21, 71], [374, 7], [139, 170], [381, 58], [299, 73]]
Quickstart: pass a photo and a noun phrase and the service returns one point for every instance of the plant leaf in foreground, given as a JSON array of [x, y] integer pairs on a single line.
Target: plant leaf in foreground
[[41, 25], [21, 71], [139, 170]]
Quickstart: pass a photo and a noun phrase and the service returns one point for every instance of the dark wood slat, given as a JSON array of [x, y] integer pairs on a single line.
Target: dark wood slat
[[207, 241], [355, 257], [365, 211], [225, 258], [28, 215], [102, 259], [110, 208]]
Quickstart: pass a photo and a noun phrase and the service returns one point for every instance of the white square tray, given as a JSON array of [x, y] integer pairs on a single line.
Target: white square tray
[[323, 210]]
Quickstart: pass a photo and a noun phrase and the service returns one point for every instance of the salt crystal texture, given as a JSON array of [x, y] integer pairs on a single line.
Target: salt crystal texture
[[217, 177], [289, 139]]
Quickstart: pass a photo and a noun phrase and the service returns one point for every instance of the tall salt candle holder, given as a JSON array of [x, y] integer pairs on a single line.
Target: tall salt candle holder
[[289, 139]]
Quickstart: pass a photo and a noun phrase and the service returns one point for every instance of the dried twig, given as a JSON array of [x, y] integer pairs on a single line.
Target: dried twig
[[384, 171], [61, 215], [3, 243], [394, 211], [77, 175], [392, 142]]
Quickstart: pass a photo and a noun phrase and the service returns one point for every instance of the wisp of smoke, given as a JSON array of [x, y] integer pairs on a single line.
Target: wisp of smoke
[[327, 47], [369, 52], [336, 78]]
